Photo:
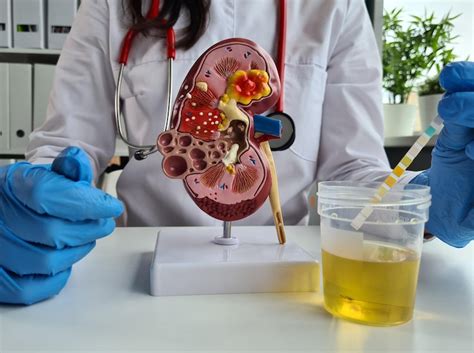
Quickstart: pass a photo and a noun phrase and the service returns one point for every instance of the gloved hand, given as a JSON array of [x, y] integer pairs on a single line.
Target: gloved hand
[[451, 176], [50, 217]]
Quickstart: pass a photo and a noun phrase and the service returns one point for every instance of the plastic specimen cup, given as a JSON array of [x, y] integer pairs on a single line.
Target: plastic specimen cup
[[370, 275]]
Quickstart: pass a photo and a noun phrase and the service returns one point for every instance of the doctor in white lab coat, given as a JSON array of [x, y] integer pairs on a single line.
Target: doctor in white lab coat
[[333, 92], [51, 215]]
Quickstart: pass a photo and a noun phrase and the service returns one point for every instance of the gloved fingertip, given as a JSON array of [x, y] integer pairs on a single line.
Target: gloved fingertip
[[103, 205], [470, 150], [67, 257], [448, 107], [455, 243], [422, 178], [50, 286], [448, 76], [108, 226], [31, 289], [116, 207], [87, 248], [74, 164], [457, 76]]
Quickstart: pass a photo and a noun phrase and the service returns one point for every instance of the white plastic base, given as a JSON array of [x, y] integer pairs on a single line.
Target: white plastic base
[[188, 262]]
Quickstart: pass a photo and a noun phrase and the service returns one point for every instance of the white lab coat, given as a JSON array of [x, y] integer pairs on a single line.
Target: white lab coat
[[333, 92]]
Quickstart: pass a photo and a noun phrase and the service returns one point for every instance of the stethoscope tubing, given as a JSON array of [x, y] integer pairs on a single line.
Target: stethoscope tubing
[[118, 114], [143, 151], [282, 54], [171, 49]]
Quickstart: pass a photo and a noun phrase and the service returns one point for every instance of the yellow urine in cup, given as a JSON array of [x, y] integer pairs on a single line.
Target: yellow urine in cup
[[377, 290]]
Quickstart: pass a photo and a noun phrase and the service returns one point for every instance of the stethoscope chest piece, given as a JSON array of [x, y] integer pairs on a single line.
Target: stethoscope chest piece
[[288, 132]]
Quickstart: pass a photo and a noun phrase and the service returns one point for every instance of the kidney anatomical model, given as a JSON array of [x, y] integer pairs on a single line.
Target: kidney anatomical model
[[212, 144]]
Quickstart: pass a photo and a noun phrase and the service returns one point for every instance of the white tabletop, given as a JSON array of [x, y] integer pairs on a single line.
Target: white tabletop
[[106, 308]]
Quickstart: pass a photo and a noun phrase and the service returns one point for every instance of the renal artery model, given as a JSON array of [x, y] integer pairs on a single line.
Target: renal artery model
[[212, 144]]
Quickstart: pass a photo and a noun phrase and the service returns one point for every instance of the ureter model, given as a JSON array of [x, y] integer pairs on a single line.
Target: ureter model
[[231, 110], [274, 196]]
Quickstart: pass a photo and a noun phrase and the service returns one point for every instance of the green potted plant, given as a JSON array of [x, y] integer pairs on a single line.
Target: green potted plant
[[409, 53], [438, 39], [429, 95]]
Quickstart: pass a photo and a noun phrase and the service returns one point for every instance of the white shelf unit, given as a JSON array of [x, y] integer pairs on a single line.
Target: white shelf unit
[[33, 57], [30, 51]]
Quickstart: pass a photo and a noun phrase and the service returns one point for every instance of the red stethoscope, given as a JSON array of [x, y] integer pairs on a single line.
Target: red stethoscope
[[288, 126]]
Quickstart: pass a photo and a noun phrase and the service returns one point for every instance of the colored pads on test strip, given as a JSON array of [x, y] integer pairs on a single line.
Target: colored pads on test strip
[[435, 126]]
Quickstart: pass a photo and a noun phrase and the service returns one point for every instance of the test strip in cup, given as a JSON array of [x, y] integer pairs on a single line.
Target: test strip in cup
[[435, 126]]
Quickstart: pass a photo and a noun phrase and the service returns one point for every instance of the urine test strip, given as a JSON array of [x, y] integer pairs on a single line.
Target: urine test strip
[[435, 127]]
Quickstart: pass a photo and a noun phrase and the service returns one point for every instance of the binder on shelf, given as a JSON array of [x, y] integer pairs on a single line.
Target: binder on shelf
[[60, 17], [5, 23], [4, 109], [29, 24], [42, 84], [20, 101]]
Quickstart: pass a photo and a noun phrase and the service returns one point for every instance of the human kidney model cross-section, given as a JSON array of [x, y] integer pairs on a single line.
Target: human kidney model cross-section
[[212, 145]]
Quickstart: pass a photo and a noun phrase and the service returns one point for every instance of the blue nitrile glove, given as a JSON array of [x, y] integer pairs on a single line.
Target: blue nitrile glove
[[451, 176], [50, 217]]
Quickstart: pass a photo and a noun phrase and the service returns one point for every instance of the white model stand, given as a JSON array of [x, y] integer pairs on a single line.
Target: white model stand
[[189, 261]]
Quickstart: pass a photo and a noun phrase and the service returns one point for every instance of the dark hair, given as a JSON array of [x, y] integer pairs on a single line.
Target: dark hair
[[170, 11]]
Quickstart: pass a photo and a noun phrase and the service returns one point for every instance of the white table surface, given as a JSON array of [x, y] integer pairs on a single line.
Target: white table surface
[[106, 308]]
